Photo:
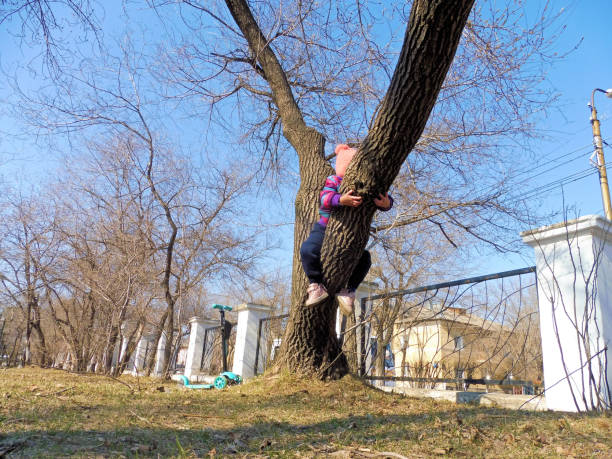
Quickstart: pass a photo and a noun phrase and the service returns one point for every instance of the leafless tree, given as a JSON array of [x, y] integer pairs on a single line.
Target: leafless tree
[[46, 22], [315, 73], [307, 67], [310, 343], [13, 327], [27, 247], [149, 204], [107, 254]]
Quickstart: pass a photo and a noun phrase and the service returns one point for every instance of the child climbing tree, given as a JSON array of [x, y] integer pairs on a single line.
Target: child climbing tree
[[432, 34], [297, 74]]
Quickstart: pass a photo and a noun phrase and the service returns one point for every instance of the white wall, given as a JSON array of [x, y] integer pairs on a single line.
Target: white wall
[[245, 350], [574, 273]]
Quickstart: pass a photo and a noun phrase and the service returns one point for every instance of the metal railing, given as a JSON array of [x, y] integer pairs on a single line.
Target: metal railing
[[179, 354], [491, 333], [527, 387], [212, 351], [270, 329], [486, 327]]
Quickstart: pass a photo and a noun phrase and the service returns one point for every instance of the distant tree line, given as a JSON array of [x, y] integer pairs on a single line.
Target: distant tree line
[[119, 247]]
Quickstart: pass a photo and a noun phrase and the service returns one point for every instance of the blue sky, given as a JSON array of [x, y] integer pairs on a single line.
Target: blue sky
[[574, 78], [565, 151], [561, 155]]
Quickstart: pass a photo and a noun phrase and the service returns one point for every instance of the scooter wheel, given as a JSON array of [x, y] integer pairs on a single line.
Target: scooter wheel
[[220, 382]]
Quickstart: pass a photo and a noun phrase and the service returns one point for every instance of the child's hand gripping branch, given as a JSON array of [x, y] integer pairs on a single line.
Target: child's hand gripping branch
[[349, 199], [330, 198], [384, 203]]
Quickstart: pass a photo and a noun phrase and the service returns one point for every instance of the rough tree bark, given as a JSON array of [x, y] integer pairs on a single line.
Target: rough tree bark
[[433, 32]]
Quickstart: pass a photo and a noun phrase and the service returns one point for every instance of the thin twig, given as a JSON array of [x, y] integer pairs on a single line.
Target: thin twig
[[10, 421], [122, 382], [63, 390], [388, 453], [141, 418], [56, 393]]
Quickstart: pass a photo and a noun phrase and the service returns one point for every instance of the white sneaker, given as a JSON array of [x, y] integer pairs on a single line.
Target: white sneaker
[[346, 300], [316, 294]]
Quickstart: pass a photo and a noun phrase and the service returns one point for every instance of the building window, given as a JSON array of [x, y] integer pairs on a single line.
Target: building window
[[458, 343]]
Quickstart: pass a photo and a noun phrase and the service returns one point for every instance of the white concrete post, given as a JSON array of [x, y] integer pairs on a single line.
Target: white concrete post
[[276, 342], [59, 360], [122, 351], [91, 366], [140, 355], [574, 273], [159, 355], [247, 329], [193, 361]]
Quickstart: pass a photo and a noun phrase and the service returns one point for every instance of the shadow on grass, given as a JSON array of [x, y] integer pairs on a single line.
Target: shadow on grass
[[400, 433]]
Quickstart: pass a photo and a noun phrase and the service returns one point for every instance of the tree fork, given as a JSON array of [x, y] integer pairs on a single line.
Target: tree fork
[[430, 43], [432, 36], [310, 345]]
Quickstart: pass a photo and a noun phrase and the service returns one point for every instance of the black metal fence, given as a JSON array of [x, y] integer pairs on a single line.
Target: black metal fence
[[518, 386], [212, 351], [479, 332], [269, 334], [179, 354], [475, 333]]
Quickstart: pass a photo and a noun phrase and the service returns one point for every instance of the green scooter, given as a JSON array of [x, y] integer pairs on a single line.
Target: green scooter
[[227, 377]]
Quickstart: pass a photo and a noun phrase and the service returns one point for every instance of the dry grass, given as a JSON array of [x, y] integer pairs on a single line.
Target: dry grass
[[50, 413]]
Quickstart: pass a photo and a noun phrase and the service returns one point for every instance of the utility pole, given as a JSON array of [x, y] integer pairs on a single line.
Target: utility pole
[[601, 164]]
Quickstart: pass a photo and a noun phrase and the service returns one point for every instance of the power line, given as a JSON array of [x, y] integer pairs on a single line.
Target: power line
[[579, 152], [556, 166], [531, 168], [554, 184]]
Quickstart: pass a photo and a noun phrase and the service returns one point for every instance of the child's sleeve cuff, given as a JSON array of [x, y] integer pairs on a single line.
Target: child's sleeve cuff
[[384, 209], [335, 202]]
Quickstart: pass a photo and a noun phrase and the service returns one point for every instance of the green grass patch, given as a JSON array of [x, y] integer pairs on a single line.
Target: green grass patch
[[51, 413]]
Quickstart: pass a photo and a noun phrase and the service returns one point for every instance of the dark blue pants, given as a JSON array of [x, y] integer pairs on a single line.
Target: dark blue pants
[[311, 260]]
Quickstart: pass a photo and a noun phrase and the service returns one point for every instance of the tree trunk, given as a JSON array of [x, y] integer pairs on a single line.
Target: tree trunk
[[310, 345], [26, 358], [14, 354], [87, 323], [381, 351], [109, 349], [349, 344], [44, 356], [170, 300], [430, 43], [156, 337], [169, 337], [2, 345]]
